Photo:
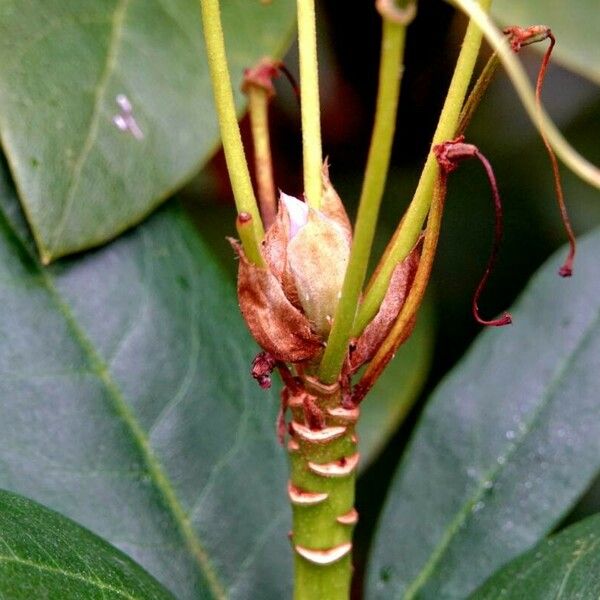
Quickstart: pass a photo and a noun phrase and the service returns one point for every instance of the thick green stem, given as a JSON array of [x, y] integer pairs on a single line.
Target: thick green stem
[[406, 236], [237, 166], [323, 476], [390, 74], [309, 99]]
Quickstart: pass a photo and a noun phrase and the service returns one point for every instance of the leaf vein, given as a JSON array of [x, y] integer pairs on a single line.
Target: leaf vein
[[492, 475]]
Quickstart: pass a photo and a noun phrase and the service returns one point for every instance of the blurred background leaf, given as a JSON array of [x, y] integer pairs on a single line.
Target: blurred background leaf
[[505, 447], [45, 555], [81, 180], [566, 565]]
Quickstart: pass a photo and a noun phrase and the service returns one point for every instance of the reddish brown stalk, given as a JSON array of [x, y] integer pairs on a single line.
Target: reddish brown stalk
[[406, 317], [449, 155], [520, 37], [566, 270]]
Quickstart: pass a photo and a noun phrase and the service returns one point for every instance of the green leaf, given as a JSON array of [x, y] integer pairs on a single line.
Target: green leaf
[[506, 445], [575, 25], [566, 565], [62, 65], [126, 404], [44, 555], [394, 394]]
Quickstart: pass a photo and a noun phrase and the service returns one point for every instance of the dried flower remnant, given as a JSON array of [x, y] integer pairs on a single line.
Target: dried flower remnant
[[523, 36], [125, 120], [449, 155]]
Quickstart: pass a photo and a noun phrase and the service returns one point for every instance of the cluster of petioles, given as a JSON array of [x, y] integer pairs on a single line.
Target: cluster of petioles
[[289, 290]]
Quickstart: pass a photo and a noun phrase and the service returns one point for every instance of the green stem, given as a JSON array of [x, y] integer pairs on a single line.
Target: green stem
[[230, 132], [322, 505], [309, 98], [406, 236], [390, 74]]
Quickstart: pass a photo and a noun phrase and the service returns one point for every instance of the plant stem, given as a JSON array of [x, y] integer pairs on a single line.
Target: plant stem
[[407, 234], [258, 102], [322, 484], [309, 100], [390, 74], [230, 132]]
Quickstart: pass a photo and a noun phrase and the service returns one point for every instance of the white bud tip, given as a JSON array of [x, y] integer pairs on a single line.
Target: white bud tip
[[297, 212]]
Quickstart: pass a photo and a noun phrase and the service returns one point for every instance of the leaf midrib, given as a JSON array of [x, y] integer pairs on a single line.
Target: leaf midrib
[[157, 475], [117, 20], [455, 525]]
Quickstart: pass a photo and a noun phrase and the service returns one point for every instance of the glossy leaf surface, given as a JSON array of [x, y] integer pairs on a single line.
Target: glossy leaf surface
[[506, 445], [63, 63], [45, 555], [567, 565], [126, 404]]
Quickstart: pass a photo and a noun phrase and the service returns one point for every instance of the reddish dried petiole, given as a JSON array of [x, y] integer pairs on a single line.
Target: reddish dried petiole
[[519, 37], [449, 155], [262, 367]]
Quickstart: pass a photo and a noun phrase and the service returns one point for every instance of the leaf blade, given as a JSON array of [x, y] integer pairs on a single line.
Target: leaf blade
[[62, 66], [506, 442], [43, 554], [130, 416], [566, 565]]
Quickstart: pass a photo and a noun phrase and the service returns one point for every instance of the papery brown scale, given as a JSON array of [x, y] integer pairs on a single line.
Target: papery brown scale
[[274, 251], [332, 206], [378, 329], [277, 326]]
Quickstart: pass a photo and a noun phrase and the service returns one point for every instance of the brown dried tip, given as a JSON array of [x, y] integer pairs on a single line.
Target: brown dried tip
[[262, 367], [264, 72], [261, 75], [523, 36], [449, 155]]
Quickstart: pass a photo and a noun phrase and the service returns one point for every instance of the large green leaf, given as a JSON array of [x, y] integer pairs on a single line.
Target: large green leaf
[[62, 65], [395, 392], [566, 565], [44, 555], [126, 404], [575, 25], [506, 445]]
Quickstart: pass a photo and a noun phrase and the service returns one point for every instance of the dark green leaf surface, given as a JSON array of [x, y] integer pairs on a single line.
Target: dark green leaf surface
[[575, 25], [62, 65], [565, 566], [126, 405], [506, 445], [396, 391], [44, 555]]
